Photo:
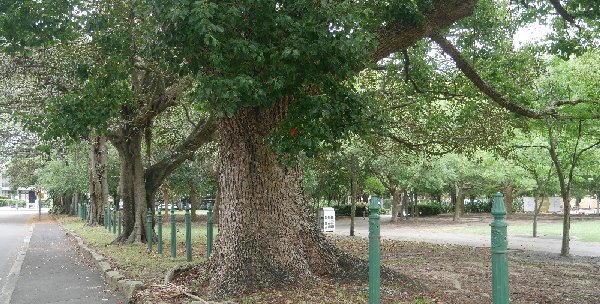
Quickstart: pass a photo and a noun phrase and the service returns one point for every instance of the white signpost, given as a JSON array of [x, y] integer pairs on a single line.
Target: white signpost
[[528, 204], [555, 204]]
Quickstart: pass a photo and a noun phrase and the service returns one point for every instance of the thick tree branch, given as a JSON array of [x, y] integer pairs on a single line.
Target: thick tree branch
[[203, 133], [161, 100], [483, 86], [421, 146], [560, 9], [408, 78], [400, 35]]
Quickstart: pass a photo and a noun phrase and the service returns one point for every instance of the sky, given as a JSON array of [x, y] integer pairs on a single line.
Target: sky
[[530, 33]]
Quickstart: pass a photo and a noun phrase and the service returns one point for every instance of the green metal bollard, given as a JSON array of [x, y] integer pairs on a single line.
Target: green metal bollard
[[105, 217], [79, 211], [160, 243], [374, 258], [188, 234], [114, 221], [173, 235], [500, 293], [109, 220], [209, 230], [119, 221], [149, 229]]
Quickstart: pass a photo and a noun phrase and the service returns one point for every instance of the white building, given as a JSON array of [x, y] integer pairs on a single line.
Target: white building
[[5, 189]]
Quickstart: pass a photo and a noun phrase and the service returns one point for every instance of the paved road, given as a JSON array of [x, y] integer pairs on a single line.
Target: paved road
[[440, 235], [51, 270], [13, 232]]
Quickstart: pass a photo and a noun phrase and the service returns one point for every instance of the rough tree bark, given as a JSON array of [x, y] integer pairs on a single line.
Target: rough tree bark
[[133, 190], [404, 206], [396, 197], [454, 202], [508, 197], [98, 179], [354, 195], [267, 236], [415, 202], [564, 193]]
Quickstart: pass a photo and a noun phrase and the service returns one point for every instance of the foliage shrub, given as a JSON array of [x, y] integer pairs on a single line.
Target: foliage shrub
[[344, 210], [11, 202], [434, 208], [428, 209], [517, 205], [54, 210], [478, 206]]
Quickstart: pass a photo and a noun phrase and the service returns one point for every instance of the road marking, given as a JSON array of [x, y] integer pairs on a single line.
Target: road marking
[[13, 275]]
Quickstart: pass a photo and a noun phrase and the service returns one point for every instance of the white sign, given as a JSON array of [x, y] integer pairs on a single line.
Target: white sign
[[528, 204], [555, 204]]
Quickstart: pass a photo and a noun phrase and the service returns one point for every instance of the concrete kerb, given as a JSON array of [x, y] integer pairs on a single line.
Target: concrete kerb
[[115, 279]]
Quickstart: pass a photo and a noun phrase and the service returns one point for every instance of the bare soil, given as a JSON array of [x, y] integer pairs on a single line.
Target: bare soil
[[449, 274]]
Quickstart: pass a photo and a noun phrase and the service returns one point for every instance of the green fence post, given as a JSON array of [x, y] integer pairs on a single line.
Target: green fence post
[[159, 223], [105, 217], [500, 293], [188, 234], [114, 221], [149, 229], [109, 220], [173, 235], [119, 220], [209, 230], [598, 203], [374, 261], [79, 211]]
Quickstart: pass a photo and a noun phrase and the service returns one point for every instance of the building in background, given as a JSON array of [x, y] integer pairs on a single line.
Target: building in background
[[5, 189]]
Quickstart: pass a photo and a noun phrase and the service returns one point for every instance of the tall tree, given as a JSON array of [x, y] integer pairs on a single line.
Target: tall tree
[[276, 72]]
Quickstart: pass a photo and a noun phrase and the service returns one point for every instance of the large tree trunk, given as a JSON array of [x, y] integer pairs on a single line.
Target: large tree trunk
[[537, 205], [564, 193], [268, 238], [508, 198], [354, 196], [98, 179], [132, 184], [74, 202], [396, 197], [415, 201], [404, 206], [454, 202], [62, 203]]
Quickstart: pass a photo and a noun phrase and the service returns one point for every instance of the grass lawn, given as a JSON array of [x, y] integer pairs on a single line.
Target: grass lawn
[[585, 231], [133, 260]]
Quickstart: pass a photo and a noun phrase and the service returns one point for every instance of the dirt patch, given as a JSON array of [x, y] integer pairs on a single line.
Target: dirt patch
[[35, 219], [450, 274]]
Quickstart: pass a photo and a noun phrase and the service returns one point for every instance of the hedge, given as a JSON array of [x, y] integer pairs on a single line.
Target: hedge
[[11, 202]]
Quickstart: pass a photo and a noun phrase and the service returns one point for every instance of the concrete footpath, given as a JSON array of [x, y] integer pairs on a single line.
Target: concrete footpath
[[441, 233], [54, 271]]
